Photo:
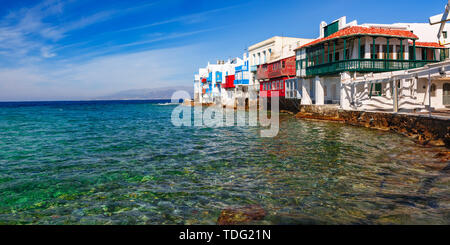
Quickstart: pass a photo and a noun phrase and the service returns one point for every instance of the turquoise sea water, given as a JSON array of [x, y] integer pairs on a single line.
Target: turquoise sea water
[[124, 163]]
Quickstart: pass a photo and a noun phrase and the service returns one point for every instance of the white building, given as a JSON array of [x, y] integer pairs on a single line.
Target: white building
[[348, 49], [210, 81], [268, 51]]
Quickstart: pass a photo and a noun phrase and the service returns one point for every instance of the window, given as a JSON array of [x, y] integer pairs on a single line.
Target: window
[[398, 50], [433, 90], [391, 52], [443, 54], [362, 51], [424, 54], [333, 91], [377, 51], [283, 64], [444, 34], [376, 89], [411, 53], [427, 54]]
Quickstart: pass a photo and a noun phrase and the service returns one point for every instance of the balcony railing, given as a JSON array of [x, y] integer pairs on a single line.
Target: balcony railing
[[241, 82], [365, 65]]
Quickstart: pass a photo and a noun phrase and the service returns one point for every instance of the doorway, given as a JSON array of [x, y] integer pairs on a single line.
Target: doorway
[[446, 94]]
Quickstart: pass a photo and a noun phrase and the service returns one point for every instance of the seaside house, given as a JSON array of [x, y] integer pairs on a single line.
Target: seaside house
[[200, 85], [229, 83], [272, 53], [273, 76], [212, 77], [242, 82], [348, 49]]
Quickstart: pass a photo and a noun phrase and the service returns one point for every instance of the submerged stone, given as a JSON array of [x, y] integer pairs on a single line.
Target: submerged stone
[[236, 216]]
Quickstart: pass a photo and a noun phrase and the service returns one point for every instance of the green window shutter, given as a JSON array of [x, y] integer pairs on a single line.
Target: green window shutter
[[331, 28], [378, 88]]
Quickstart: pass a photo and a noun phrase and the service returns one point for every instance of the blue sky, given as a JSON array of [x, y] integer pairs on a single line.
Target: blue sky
[[80, 49]]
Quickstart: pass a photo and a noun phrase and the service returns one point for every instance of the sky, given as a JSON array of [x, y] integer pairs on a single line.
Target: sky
[[83, 49]]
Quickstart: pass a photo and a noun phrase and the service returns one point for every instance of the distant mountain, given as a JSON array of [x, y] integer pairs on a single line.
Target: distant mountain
[[147, 94]]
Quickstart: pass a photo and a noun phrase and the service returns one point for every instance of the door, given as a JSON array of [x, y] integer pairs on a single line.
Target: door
[[446, 94]]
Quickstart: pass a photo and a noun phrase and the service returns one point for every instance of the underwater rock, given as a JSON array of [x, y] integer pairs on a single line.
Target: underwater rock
[[236, 216]]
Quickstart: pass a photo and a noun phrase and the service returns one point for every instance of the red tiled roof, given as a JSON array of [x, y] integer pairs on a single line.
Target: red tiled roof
[[429, 45], [359, 30]]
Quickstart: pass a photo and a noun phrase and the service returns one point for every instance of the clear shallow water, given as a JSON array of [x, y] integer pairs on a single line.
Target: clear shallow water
[[124, 163]]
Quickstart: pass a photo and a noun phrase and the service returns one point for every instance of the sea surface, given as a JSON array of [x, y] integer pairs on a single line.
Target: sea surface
[[123, 162]]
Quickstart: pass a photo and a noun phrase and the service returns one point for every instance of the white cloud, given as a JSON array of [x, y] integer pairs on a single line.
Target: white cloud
[[101, 76], [46, 52], [187, 19], [25, 31]]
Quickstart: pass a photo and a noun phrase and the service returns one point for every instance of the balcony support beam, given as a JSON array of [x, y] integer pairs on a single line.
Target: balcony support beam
[[334, 51], [387, 42], [307, 57], [359, 47], [345, 51], [328, 56], [323, 54], [401, 49], [374, 55]]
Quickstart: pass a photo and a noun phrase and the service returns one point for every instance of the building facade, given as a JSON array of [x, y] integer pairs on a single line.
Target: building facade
[[358, 50], [271, 51], [273, 76]]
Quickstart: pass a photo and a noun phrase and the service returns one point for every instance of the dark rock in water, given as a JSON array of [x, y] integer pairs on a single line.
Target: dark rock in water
[[236, 216]]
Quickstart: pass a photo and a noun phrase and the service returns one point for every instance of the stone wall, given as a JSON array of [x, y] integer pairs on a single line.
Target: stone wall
[[423, 129]]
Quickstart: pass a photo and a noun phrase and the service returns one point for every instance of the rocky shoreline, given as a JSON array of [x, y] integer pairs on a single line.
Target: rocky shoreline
[[422, 129]]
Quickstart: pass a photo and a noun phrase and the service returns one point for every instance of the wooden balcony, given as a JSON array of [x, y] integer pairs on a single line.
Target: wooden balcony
[[284, 67], [365, 65]]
